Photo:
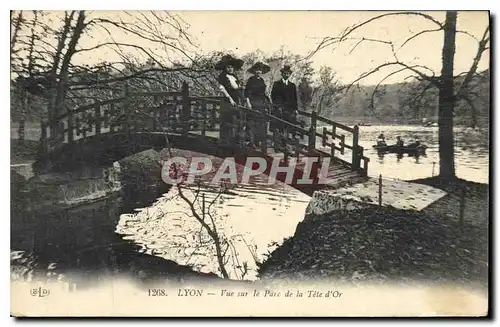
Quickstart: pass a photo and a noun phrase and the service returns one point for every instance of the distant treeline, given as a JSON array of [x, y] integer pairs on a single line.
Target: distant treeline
[[408, 103]]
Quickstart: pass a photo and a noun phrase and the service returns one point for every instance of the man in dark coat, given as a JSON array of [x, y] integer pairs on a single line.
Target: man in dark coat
[[284, 98]]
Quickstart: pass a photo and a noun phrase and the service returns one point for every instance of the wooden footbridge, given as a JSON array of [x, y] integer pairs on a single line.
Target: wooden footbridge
[[106, 130]]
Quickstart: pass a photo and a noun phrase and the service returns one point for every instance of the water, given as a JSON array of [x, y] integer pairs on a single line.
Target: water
[[251, 220], [471, 153]]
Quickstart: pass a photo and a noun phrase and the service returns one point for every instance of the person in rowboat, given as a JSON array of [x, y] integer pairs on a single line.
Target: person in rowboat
[[399, 142], [381, 140], [415, 144]]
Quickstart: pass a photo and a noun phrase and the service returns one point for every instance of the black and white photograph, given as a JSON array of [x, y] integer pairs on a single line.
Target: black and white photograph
[[250, 163]]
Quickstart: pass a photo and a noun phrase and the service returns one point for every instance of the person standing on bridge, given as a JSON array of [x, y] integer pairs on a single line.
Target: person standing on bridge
[[284, 98], [229, 83], [230, 86], [257, 100]]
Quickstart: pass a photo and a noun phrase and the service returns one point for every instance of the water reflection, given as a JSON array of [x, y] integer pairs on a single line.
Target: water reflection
[[256, 217], [471, 153], [251, 221], [161, 235]]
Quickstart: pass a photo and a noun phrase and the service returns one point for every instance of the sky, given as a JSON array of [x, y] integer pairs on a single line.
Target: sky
[[300, 31]]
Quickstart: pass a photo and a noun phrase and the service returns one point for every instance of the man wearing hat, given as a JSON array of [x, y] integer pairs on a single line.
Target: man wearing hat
[[257, 100], [284, 97]]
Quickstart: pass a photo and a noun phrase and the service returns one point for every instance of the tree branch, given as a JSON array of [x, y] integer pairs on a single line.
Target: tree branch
[[418, 34], [154, 38], [366, 39], [420, 96], [133, 75], [475, 62], [328, 41], [372, 98], [431, 79]]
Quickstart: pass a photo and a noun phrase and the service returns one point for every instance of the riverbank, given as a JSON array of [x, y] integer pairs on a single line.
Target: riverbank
[[475, 197], [384, 244]]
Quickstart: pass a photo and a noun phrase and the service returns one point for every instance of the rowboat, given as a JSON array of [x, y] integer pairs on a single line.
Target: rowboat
[[410, 149]]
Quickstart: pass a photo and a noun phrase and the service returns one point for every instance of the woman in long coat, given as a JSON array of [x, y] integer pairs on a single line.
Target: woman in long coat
[[256, 98], [230, 127]]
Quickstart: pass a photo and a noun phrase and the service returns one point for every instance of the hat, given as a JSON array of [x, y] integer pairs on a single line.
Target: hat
[[227, 60], [259, 65], [286, 68]]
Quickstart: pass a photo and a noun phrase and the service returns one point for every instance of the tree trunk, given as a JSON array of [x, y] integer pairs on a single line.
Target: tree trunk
[[63, 74], [53, 74], [17, 28], [447, 100], [220, 256], [22, 118]]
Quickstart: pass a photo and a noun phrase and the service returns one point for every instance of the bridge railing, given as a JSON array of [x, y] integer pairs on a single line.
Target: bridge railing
[[337, 137], [174, 112], [322, 136], [180, 112]]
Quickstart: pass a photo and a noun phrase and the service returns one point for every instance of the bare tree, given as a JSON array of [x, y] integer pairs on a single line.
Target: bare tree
[[58, 45], [329, 90], [204, 214], [444, 82]]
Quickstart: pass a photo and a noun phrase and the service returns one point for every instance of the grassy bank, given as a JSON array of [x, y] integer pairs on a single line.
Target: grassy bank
[[387, 244], [474, 197]]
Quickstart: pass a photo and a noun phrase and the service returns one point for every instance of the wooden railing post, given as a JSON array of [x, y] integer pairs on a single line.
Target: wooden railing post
[[186, 109], [312, 132], [204, 119], [70, 126], [365, 160], [97, 115], [355, 149], [126, 107], [380, 190], [43, 140]]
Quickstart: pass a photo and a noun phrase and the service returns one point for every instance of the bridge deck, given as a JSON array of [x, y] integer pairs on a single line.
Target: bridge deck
[[138, 120], [338, 175]]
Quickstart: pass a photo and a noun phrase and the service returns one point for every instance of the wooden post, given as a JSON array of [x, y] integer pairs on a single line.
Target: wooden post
[[312, 132], [126, 108], [204, 118], [43, 140], [462, 207], [275, 140], [380, 190], [97, 116], [70, 126], [360, 155], [284, 139], [355, 150], [186, 109], [365, 166]]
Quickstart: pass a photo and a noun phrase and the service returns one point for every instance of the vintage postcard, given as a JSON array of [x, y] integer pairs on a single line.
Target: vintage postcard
[[249, 163]]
